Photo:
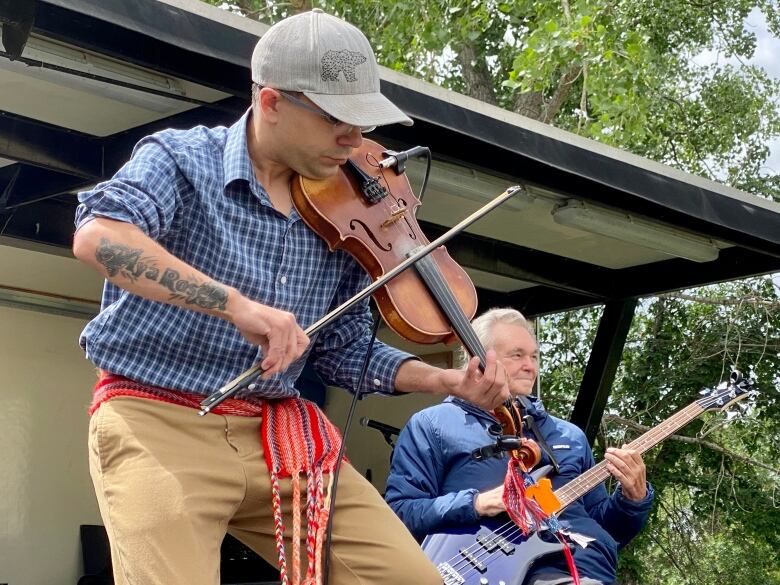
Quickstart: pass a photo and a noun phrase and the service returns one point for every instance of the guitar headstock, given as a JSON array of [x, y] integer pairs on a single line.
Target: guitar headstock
[[726, 393]]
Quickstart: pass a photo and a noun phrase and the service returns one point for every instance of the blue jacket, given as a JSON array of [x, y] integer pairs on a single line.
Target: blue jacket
[[433, 481]]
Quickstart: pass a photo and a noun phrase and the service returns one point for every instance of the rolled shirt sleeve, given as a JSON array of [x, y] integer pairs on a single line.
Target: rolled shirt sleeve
[[143, 192]]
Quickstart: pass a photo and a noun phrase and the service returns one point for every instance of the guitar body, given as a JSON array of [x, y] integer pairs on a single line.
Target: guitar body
[[487, 554]]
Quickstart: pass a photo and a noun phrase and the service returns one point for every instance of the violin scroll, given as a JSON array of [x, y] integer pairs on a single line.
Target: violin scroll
[[511, 420], [529, 453]]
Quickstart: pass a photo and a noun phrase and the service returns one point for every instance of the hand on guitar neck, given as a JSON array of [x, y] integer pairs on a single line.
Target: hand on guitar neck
[[627, 466]]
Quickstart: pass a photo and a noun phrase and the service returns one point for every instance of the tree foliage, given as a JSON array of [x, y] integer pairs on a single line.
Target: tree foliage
[[642, 76], [718, 484], [630, 74]]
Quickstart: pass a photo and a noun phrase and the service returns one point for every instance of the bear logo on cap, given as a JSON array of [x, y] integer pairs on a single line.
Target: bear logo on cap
[[334, 62]]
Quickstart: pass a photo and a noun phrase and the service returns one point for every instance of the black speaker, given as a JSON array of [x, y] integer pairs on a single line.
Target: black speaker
[[243, 566], [96, 554]]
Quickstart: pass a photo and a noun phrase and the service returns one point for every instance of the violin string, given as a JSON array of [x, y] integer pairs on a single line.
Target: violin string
[[387, 202], [441, 292], [475, 551], [439, 289], [448, 302], [457, 318]]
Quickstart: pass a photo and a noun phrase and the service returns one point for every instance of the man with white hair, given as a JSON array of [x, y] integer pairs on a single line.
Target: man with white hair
[[435, 483]]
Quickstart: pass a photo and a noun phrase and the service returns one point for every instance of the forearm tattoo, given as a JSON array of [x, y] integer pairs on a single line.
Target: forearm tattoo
[[130, 263]]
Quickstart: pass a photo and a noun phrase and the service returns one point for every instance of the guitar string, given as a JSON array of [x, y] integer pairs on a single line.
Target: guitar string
[[595, 475]]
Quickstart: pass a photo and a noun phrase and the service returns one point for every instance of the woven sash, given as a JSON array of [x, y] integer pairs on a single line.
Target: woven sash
[[297, 439]]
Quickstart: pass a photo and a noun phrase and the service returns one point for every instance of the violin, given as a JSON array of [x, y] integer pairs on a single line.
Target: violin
[[370, 212], [374, 191]]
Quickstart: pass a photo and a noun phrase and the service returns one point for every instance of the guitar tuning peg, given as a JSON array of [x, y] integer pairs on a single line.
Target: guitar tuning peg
[[704, 391]]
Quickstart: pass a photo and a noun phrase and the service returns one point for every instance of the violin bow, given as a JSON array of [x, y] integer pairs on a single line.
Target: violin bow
[[250, 376]]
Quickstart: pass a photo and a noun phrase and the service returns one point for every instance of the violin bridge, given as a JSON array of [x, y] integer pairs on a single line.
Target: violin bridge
[[397, 212]]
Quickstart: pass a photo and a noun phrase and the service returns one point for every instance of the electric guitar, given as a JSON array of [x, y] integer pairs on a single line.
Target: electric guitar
[[496, 552]]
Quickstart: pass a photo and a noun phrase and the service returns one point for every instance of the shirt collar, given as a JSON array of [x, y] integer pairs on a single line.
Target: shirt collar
[[238, 166], [235, 159]]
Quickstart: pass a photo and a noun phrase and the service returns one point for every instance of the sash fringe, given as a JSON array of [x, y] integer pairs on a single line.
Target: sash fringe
[[297, 438]]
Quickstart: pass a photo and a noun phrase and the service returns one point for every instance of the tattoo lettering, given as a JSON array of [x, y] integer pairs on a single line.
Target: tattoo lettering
[[206, 295], [129, 263], [121, 259]]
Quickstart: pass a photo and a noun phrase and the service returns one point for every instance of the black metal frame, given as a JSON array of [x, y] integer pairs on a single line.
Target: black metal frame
[[602, 365]]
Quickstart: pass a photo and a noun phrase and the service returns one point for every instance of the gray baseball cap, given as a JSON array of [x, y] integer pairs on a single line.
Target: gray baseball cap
[[331, 62]]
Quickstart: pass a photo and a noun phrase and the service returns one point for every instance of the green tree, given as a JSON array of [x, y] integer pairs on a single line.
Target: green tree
[[717, 478], [618, 71]]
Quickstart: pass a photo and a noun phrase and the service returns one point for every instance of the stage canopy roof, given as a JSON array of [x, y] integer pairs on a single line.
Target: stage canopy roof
[[82, 80]]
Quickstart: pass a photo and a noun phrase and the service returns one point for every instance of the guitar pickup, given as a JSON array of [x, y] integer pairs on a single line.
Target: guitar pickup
[[472, 560], [492, 542]]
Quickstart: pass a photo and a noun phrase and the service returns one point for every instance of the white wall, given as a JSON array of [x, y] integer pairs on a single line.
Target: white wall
[[366, 447], [45, 489], [45, 388]]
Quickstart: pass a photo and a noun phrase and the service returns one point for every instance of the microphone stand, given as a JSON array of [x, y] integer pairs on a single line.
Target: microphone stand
[[387, 431], [250, 376]]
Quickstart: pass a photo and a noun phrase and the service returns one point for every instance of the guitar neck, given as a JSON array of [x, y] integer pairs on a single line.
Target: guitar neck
[[595, 475]]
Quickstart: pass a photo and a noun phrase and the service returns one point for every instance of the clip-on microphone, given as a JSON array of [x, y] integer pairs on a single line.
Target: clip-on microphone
[[503, 443]]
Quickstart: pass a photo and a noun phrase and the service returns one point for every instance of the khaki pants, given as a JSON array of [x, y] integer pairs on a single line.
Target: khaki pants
[[170, 484]]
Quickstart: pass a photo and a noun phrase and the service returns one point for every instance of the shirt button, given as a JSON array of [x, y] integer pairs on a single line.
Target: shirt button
[[283, 280], [377, 382]]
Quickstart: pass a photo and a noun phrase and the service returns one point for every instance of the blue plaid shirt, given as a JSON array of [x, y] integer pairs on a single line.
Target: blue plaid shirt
[[195, 193]]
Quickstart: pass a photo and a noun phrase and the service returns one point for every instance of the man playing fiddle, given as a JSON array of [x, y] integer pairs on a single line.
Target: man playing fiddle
[[210, 270], [434, 482]]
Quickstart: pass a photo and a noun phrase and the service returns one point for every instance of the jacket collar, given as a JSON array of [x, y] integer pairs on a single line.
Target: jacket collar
[[536, 408]]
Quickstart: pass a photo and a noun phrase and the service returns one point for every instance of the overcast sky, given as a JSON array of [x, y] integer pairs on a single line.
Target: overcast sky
[[768, 57]]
